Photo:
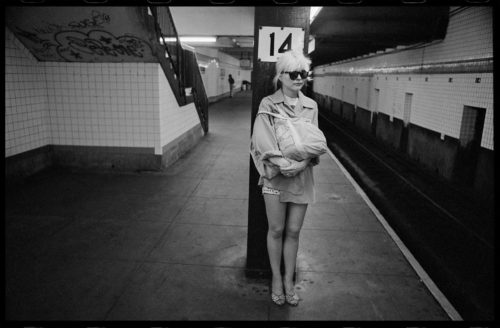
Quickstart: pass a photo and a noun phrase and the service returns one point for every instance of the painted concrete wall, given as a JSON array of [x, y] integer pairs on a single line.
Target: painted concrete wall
[[83, 34], [88, 104], [228, 20]]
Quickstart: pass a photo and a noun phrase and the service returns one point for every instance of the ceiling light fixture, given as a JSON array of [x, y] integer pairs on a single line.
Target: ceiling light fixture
[[203, 39], [193, 39]]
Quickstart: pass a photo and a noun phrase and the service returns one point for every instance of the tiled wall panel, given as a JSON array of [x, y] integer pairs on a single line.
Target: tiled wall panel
[[437, 103], [88, 104], [174, 120], [218, 67], [103, 104], [26, 114], [469, 36]]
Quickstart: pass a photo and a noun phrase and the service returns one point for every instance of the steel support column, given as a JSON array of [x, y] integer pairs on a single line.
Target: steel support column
[[262, 76]]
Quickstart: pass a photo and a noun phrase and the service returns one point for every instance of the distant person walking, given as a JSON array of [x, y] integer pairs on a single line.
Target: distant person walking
[[286, 177], [231, 86]]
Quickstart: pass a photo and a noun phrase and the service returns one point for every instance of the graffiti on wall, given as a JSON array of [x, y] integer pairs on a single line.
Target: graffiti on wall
[[96, 45], [74, 42], [97, 19], [42, 46]]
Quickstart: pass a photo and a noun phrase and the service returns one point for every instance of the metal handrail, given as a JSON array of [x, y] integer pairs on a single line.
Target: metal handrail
[[172, 53], [199, 93], [181, 64]]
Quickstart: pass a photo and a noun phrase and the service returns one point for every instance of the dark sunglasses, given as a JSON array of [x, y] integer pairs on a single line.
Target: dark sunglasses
[[293, 75]]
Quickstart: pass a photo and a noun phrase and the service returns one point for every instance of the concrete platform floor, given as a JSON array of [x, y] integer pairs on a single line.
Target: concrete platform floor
[[172, 246]]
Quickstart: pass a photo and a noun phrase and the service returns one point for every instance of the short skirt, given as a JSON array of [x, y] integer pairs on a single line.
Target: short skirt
[[270, 191]]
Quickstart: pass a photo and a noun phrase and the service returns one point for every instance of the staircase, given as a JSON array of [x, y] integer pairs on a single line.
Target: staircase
[[180, 65]]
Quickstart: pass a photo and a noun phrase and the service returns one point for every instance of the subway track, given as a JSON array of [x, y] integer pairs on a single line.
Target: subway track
[[450, 236]]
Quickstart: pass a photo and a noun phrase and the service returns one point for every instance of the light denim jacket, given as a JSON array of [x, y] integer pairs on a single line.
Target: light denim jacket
[[300, 188]]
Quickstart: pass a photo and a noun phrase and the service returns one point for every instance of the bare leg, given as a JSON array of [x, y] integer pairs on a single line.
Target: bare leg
[[276, 213], [296, 213]]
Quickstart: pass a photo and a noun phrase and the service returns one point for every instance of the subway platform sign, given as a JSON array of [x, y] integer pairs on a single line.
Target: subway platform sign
[[274, 40]]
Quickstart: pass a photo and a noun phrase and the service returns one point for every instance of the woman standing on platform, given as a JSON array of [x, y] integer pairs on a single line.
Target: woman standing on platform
[[287, 184]]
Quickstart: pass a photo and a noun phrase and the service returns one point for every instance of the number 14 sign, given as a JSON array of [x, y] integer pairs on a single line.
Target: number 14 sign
[[274, 41]]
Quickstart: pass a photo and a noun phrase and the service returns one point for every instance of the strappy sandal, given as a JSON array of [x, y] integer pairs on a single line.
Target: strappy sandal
[[278, 299], [292, 298]]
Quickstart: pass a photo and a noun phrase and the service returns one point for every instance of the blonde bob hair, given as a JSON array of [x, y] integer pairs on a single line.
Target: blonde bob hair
[[289, 61]]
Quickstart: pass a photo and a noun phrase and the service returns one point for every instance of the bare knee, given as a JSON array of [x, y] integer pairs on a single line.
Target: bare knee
[[276, 232], [293, 232]]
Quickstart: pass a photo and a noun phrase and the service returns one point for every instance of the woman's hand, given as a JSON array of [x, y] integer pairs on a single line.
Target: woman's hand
[[280, 161], [294, 168]]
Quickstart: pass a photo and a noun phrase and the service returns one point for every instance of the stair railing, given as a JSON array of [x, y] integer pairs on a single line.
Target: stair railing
[[181, 67], [198, 88]]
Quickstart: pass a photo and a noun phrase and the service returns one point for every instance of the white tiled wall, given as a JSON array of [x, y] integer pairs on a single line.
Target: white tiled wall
[[437, 104], [215, 83], [103, 104], [469, 36], [88, 104], [26, 111], [174, 120]]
